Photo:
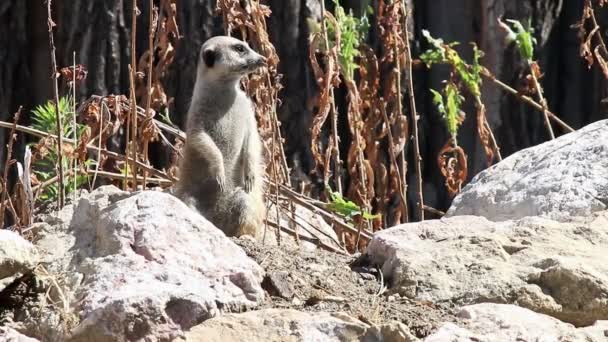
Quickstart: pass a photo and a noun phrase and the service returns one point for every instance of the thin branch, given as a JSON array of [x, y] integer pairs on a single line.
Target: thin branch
[[151, 30], [434, 211], [526, 99], [482, 108], [334, 112], [395, 166], [541, 98], [58, 117], [402, 156], [414, 114], [596, 28], [313, 240], [74, 123], [92, 148], [306, 202], [293, 218], [7, 165], [118, 176], [132, 69]]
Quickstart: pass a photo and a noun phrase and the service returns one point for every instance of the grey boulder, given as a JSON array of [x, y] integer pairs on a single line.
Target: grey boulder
[[558, 179]]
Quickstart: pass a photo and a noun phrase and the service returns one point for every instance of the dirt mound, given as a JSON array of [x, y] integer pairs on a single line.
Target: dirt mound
[[324, 281]]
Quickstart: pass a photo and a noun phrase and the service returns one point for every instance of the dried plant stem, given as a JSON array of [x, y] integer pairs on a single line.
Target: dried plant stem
[[334, 113], [434, 211], [92, 148], [148, 112], [541, 99], [40, 187], [276, 182], [308, 204], [276, 125], [391, 151], [7, 165], [493, 142], [402, 156], [104, 109], [316, 241], [128, 138], [596, 28], [414, 114], [74, 123], [294, 217], [133, 116], [118, 176], [51, 24], [526, 99]]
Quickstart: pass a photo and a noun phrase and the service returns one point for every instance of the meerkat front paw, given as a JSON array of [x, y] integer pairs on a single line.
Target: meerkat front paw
[[249, 181], [220, 178], [221, 182]]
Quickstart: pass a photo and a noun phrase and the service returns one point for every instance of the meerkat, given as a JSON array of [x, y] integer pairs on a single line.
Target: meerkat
[[221, 171]]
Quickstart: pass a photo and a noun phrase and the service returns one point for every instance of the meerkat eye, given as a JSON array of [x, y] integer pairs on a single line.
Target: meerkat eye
[[239, 48]]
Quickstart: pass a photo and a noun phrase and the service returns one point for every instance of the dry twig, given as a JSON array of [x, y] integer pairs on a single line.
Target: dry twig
[[54, 74], [414, 116]]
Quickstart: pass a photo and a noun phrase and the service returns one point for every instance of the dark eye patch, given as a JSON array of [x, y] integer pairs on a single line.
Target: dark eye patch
[[209, 57], [239, 48]]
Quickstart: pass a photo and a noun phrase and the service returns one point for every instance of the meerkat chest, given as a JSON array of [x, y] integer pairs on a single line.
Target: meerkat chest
[[230, 129]]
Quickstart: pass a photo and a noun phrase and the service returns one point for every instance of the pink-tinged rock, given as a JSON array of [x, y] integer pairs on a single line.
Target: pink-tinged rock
[[149, 267]]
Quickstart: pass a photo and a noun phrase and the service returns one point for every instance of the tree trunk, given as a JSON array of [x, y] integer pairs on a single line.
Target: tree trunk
[[99, 32]]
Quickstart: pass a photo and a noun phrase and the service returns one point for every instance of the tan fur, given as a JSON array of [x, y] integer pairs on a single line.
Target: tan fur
[[221, 172]]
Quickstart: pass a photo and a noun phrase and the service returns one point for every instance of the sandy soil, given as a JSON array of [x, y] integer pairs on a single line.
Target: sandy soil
[[326, 281]]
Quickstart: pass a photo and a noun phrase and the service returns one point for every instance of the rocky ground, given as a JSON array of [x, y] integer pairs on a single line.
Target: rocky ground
[[317, 281], [521, 256]]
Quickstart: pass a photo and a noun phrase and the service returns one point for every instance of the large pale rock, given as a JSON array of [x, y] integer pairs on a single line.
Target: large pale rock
[[561, 178], [284, 325], [16, 254], [12, 335], [560, 269], [145, 266], [501, 322]]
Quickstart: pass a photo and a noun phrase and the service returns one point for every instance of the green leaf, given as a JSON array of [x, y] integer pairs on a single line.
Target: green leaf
[[449, 104], [353, 32], [524, 39], [345, 207]]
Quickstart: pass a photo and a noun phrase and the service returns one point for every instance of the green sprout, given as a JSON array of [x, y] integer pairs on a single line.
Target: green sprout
[[522, 36], [44, 119], [448, 104], [441, 53], [353, 31], [345, 207]]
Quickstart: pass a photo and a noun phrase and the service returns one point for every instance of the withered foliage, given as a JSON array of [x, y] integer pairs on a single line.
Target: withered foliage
[[452, 162], [324, 62], [378, 128], [485, 132], [391, 21], [587, 51], [164, 25], [71, 73]]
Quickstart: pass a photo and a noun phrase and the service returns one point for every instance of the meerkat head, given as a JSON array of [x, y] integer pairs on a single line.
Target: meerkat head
[[228, 59]]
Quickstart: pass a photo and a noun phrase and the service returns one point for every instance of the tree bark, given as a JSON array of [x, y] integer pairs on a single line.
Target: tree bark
[[98, 31]]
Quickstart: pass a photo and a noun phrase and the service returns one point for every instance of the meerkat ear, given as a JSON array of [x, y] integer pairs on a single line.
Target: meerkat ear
[[209, 57]]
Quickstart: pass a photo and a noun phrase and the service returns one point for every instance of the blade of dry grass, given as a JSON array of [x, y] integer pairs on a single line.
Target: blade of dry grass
[[92, 148], [414, 116], [7, 165], [61, 191], [526, 99]]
